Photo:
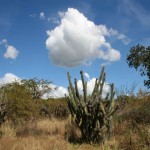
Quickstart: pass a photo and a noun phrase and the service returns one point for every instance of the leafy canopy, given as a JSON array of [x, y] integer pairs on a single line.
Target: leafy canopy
[[22, 98], [37, 87], [139, 58]]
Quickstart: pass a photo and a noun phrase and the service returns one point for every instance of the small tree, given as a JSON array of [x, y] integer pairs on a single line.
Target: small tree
[[139, 58], [17, 100], [17, 97], [37, 87]]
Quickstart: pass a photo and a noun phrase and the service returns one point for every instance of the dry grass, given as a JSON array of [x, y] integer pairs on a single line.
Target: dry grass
[[50, 134], [45, 143], [52, 127], [34, 143], [43, 134], [40, 135], [6, 130], [42, 127], [131, 135]]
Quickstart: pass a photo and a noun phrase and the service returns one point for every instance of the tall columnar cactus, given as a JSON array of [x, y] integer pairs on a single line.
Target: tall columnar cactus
[[92, 114]]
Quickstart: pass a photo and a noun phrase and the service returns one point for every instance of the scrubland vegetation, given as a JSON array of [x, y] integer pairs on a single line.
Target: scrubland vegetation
[[29, 122], [131, 130]]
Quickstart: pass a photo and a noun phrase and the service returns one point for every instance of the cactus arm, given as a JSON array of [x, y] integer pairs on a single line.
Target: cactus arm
[[100, 78], [84, 86], [112, 112], [71, 87], [102, 108], [95, 87], [112, 93], [102, 85], [76, 89]]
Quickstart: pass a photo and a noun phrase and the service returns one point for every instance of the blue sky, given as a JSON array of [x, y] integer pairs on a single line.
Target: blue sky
[[94, 33]]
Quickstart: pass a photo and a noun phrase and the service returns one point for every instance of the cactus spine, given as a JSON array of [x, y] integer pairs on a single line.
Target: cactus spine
[[92, 114]]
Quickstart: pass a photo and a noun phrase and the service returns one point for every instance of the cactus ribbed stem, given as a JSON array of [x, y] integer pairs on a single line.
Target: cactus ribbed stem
[[91, 113], [76, 89]]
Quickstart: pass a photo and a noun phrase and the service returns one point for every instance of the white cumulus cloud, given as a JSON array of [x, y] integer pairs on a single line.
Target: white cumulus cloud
[[42, 15], [77, 40], [60, 92], [11, 52], [56, 92], [61, 13], [119, 36], [90, 87], [3, 41], [53, 20], [87, 75], [9, 78]]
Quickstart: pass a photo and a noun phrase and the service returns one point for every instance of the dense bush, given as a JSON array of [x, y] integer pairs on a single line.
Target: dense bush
[[55, 108], [18, 100], [139, 113], [23, 101]]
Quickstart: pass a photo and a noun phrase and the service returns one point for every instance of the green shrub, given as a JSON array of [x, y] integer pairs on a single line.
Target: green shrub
[[18, 101], [55, 108], [140, 114]]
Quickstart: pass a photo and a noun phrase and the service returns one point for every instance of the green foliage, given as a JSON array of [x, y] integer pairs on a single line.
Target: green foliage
[[140, 113], [37, 87], [2, 113], [132, 124], [18, 100], [55, 108], [92, 114], [22, 99], [139, 58]]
